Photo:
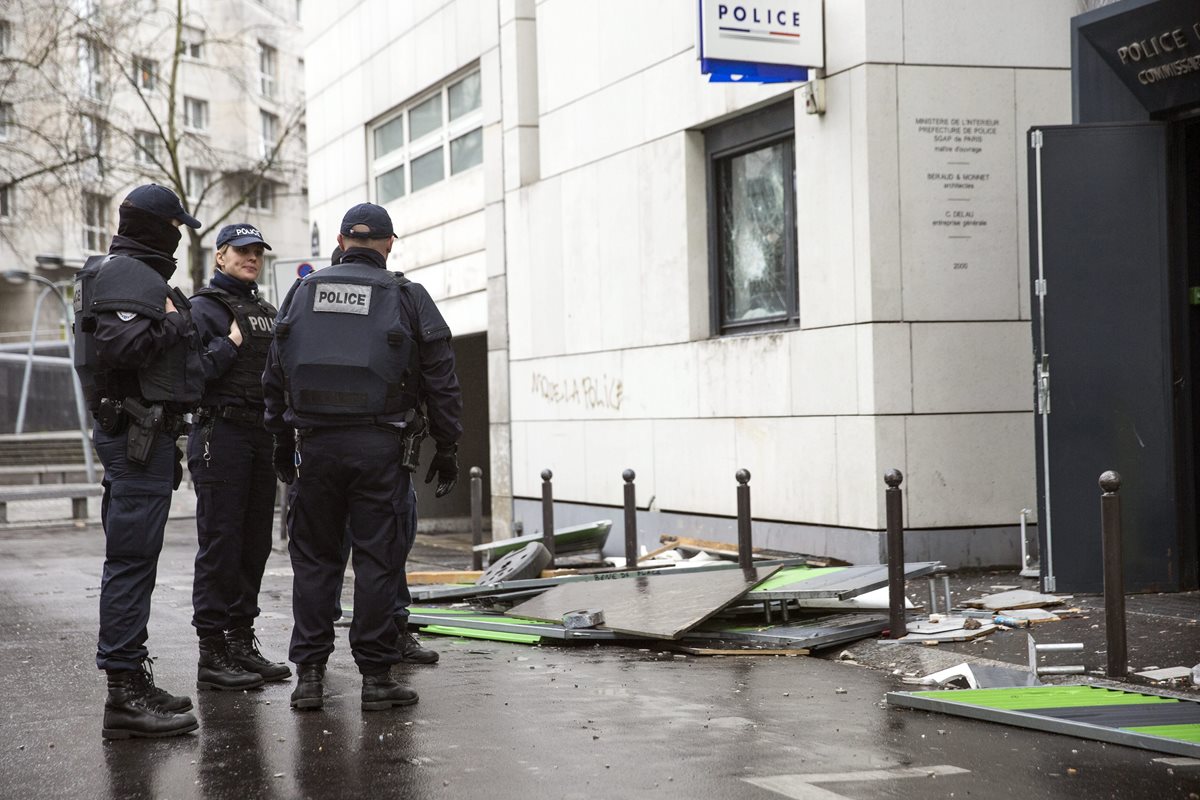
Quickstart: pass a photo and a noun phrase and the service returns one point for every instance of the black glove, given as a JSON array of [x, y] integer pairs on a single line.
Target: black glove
[[177, 469], [445, 465], [283, 455]]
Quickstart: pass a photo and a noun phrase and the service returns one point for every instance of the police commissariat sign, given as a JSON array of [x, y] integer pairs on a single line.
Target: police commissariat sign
[[782, 32], [1155, 50]]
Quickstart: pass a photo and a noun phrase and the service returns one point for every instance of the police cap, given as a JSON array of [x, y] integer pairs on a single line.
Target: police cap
[[375, 218], [239, 235]]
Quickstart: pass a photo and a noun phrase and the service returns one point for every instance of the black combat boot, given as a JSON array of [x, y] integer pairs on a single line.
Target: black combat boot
[[131, 710], [309, 691], [164, 699], [216, 670], [411, 651], [380, 692], [243, 649]]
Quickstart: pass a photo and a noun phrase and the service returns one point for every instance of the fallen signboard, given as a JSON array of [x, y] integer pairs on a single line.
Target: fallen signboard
[[1137, 719]]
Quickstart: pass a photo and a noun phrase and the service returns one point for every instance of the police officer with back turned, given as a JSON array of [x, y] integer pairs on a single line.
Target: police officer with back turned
[[355, 347], [229, 458], [138, 359]]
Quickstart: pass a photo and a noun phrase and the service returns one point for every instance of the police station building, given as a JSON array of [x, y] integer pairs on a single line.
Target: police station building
[[655, 262]]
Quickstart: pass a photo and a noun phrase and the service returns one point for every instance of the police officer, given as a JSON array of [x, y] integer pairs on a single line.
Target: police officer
[[137, 355], [229, 458], [354, 346]]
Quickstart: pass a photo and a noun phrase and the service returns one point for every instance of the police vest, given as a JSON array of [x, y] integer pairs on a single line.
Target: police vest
[[124, 284], [256, 319], [346, 344]]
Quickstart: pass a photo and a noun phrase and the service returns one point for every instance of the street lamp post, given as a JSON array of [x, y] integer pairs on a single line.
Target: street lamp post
[[21, 276]]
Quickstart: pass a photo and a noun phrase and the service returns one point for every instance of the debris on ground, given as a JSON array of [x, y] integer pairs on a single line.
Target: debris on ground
[[1166, 674], [1016, 599], [691, 593]]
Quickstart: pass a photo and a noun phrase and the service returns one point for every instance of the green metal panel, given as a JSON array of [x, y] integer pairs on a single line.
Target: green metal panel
[[1035, 697], [1073, 711], [794, 575], [471, 633], [1183, 733]]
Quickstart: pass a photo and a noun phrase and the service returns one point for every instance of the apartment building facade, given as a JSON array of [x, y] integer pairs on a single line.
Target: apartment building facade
[[95, 101]]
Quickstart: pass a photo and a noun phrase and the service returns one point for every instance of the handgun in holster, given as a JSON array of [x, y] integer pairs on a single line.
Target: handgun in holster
[[410, 441], [144, 424]]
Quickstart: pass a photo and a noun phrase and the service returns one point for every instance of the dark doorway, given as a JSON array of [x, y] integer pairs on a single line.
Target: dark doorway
[[1186, 223], [451, 513]]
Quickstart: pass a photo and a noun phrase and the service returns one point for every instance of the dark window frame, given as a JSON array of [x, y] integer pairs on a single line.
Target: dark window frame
[[775, 124]]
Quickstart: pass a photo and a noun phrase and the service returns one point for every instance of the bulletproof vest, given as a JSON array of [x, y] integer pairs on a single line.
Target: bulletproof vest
[[124, 284], [87, 362], [256, 319], [346, 344]]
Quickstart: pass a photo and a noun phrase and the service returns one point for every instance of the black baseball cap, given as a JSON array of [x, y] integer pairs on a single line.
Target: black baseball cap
[[239, 235], [379, 224], [160, 201]]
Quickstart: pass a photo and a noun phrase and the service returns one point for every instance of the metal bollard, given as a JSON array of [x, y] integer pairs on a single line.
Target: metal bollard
[[631, 554], [1114, 577], [745, 535], [476, 516], [897, 618], [548, 514]]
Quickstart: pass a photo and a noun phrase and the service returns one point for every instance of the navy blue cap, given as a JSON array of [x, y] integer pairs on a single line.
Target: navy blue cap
[[379, 224], [160, 201], [239, 235]]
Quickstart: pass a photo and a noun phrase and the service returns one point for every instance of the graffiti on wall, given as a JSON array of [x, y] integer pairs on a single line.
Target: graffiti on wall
[[590, 393]]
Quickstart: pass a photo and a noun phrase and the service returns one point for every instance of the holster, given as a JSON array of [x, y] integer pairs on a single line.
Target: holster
[[144, 424], [410, 440]]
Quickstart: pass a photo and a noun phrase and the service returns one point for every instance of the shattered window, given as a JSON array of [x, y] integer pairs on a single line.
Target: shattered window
[[752, 221]]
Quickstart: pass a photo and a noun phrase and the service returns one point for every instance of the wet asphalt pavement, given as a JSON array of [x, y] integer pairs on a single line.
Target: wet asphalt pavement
[[495, 720]]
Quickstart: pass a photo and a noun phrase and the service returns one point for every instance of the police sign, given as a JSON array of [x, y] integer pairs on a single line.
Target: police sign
[[777, 32], [342, 298]]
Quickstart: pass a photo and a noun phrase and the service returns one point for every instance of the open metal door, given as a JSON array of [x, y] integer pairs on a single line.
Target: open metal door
[[1103, 350]]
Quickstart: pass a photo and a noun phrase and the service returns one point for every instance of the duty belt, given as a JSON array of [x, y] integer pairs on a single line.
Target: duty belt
[[246, 416], [173, 424]]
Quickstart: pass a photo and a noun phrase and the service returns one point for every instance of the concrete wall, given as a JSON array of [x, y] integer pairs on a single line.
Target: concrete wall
[[900, 360]]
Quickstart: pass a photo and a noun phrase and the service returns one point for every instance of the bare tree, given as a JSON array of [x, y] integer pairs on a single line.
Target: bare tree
[[97, 92]]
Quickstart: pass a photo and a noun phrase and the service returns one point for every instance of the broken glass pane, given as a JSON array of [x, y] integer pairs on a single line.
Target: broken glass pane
[[753, 244]]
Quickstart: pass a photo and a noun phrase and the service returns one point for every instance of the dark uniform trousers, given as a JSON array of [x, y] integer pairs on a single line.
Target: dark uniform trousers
[[235, 508], [134, 512], [348, 475]]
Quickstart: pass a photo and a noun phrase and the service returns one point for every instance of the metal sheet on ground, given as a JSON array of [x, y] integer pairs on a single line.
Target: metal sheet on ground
[[835, 582], [457, 591], [1136, 719], [575, 539], [498, 623], [812, 634], [661, 607]]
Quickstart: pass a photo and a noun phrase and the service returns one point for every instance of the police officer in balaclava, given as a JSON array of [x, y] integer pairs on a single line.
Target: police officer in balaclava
[[137, 355]]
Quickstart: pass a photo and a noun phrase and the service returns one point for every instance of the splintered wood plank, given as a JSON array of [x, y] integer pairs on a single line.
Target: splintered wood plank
[[659, 606]]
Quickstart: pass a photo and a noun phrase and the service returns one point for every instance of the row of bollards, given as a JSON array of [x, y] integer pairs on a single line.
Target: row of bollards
[[745, 535], [1110, 508]]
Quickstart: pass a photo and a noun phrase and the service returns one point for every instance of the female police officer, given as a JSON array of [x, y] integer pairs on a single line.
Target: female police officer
[[229, 456]]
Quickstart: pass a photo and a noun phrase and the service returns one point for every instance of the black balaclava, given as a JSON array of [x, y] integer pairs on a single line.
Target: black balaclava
[[149, 230]]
